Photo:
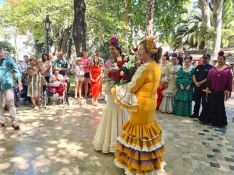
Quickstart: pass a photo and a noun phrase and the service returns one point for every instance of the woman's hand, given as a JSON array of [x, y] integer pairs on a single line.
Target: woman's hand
[[227, 94], [188, 88], [207, 91], [181, 87], [198, 84], [20, 86], [93, 80]]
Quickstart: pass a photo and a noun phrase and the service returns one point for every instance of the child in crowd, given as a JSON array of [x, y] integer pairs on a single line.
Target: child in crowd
[[79, 77]]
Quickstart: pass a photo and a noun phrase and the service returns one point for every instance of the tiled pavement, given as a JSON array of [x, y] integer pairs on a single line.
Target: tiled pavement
[[58, 141]]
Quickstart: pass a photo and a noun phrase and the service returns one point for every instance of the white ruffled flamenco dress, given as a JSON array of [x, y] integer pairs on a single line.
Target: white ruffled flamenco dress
[[110, 125]]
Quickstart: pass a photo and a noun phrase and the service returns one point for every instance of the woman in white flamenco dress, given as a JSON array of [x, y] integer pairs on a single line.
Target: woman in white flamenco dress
[[113, 118]]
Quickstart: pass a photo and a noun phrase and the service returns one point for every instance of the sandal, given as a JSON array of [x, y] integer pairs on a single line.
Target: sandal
[[2, 125], [16, 126]]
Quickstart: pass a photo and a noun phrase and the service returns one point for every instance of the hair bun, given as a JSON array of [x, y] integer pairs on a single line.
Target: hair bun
[[160, 50], [114, 40], [221, 53], [174, 55], [189, 57]]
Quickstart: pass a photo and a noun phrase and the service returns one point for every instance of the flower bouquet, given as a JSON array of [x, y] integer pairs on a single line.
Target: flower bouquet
[[123, 71]]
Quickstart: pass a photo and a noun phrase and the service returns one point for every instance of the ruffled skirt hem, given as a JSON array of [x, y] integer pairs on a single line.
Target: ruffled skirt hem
[[160, 171]]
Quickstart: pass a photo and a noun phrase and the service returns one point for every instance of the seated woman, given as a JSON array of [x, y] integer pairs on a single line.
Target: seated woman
[[56, 78], [57, 83]]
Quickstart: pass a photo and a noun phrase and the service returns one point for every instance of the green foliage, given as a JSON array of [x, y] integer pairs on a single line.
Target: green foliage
[[191, 33], [28, 15], [7, 46], [134, 14], [125, 19], [228, 22]]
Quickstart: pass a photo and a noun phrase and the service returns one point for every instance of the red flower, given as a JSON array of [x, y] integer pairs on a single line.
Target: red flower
[[120, 63], [135, 49], [116, 75], [109, 75], [124, 77]]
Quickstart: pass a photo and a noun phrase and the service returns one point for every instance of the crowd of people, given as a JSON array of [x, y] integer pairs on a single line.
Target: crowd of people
[[128, 126], [38, 73], [29, 78], [180, 85]]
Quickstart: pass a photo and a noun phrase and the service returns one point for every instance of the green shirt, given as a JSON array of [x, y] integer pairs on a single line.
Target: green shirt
[[61, 64], [7, 67]]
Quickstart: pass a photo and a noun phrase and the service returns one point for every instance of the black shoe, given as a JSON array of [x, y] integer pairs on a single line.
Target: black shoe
[[194, 116]]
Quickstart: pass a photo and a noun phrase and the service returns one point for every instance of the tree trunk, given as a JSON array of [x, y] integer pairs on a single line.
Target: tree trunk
[[63, 41], [79, 26], [204, 5], [126, 17], [150, 17], [218, 9]]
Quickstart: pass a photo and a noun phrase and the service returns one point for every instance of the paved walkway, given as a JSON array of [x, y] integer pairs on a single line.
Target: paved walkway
[[58, 141]]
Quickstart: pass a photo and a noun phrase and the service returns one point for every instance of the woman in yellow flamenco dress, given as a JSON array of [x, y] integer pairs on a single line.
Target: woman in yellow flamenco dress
[[140, 147]]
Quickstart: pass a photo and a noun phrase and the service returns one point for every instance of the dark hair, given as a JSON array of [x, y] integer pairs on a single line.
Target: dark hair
[[174, 55], [95, 63], [42, 57], [206, 56], [117, 46], [82, 53], [221, 54], [166, 54], [157, 56], [188, 57]]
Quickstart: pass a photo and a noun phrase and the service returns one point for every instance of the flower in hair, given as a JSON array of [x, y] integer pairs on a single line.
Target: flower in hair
[[174, 55], [221, 53], [114, 40], [151, 45]]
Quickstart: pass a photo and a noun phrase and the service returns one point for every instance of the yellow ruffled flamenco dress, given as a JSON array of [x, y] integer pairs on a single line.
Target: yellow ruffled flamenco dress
[[140, 147]]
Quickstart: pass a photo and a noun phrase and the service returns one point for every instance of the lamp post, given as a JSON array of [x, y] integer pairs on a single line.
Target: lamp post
[[47, 25]]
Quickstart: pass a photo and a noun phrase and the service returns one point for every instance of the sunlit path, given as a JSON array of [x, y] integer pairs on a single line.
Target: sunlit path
[[58, 141]]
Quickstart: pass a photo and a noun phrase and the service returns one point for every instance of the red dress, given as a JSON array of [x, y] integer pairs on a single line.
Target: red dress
[[160, 89], [159, 96], [96, 87]]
